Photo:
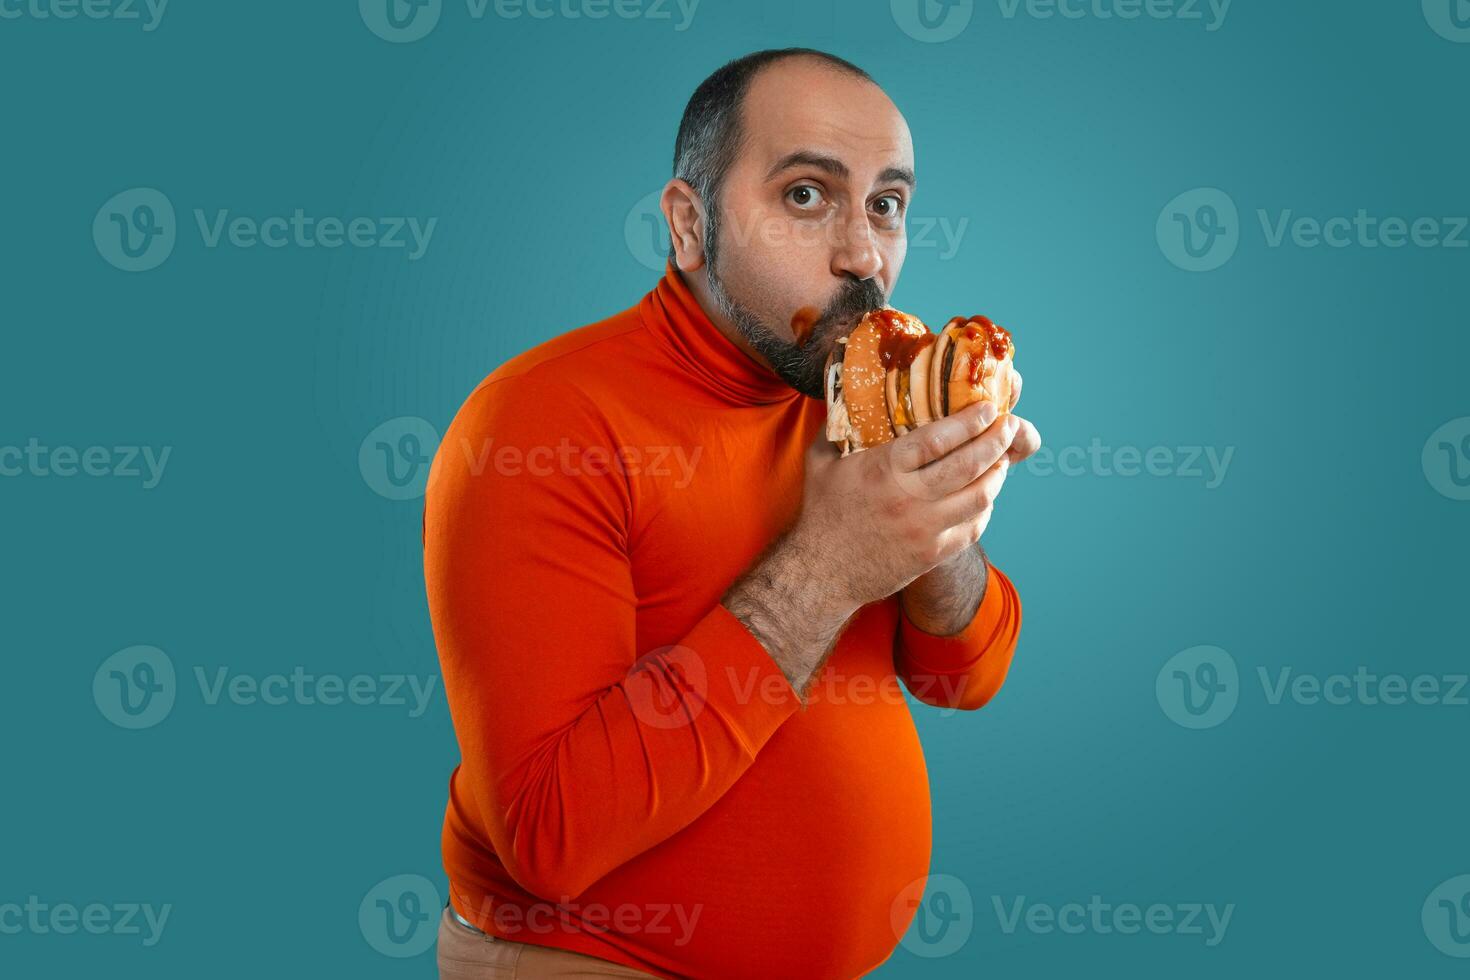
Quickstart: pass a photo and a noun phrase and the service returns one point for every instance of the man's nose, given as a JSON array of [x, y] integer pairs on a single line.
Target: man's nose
[[856, 252]]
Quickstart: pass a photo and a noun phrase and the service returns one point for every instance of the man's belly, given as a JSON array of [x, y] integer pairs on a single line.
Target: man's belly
[[796, 870]]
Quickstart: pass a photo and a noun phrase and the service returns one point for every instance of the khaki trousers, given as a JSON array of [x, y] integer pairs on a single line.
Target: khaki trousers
[[466, 953]]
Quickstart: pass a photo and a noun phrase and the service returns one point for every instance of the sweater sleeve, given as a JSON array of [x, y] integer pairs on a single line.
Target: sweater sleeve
[[578, 751], [963, 670]]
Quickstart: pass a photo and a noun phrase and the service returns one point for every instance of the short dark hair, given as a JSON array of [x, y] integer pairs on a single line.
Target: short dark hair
[[710, 132]]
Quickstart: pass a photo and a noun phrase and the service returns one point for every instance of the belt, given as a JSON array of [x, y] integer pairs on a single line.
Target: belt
[[465, 922]]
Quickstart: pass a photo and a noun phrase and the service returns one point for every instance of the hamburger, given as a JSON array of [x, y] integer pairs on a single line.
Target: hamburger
[[892, 374]]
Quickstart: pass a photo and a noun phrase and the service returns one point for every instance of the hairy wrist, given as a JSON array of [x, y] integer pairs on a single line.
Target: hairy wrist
[[945, 599], [786, 603]]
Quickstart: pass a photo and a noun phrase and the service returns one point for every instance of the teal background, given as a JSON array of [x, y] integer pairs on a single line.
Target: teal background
[[264, 547]]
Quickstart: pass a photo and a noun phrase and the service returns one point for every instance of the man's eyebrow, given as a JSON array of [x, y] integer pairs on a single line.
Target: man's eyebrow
[[835, 167], [901, 174]]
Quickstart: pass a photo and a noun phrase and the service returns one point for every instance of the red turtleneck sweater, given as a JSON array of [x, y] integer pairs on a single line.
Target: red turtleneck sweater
[[638, 780]]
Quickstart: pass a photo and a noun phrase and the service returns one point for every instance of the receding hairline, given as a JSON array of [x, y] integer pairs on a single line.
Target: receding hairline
[[823, 61], [714, 131], [742, 131], [766, 59]]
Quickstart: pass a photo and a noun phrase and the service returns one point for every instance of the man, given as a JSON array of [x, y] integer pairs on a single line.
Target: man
[[673, 622]]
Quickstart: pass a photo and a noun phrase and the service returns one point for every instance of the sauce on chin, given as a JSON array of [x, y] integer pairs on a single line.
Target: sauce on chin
[[802, 322]]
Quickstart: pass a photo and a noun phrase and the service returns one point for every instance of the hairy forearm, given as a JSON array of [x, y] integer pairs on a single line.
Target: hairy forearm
[[945, 598], [782, 600]]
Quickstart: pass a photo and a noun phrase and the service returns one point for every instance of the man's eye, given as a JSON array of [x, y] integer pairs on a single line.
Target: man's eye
[[805, 197], [889, 205]]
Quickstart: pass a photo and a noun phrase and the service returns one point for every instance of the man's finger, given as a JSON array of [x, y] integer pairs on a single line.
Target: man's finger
[[971, 500], [1015, 388], [927, 443], [962, 465], [1026, 442]]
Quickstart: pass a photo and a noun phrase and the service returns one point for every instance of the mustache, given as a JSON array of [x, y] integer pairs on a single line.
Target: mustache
[[858, 297]]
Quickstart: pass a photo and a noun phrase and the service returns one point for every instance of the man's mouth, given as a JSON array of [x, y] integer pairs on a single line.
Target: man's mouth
[[843, 323]]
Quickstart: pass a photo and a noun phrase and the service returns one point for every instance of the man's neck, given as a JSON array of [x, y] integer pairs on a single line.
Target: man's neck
[[698, 283]]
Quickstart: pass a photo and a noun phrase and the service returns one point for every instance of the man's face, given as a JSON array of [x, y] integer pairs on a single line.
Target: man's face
[[811, 215]]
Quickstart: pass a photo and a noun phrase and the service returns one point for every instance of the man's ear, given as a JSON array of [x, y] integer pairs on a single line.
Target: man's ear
[[685, 214]]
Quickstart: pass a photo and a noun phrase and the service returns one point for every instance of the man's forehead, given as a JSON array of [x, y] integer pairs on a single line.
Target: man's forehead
[[795, 108]]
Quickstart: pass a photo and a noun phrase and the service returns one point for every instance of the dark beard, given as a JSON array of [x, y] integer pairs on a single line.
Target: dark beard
[[800, 367]]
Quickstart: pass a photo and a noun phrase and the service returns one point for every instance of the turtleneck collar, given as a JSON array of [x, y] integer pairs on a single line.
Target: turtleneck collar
[[673, 315]]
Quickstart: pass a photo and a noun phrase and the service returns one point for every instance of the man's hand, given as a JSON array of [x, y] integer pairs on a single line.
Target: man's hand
[[885, 516], [873, 522], [945, 598]]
